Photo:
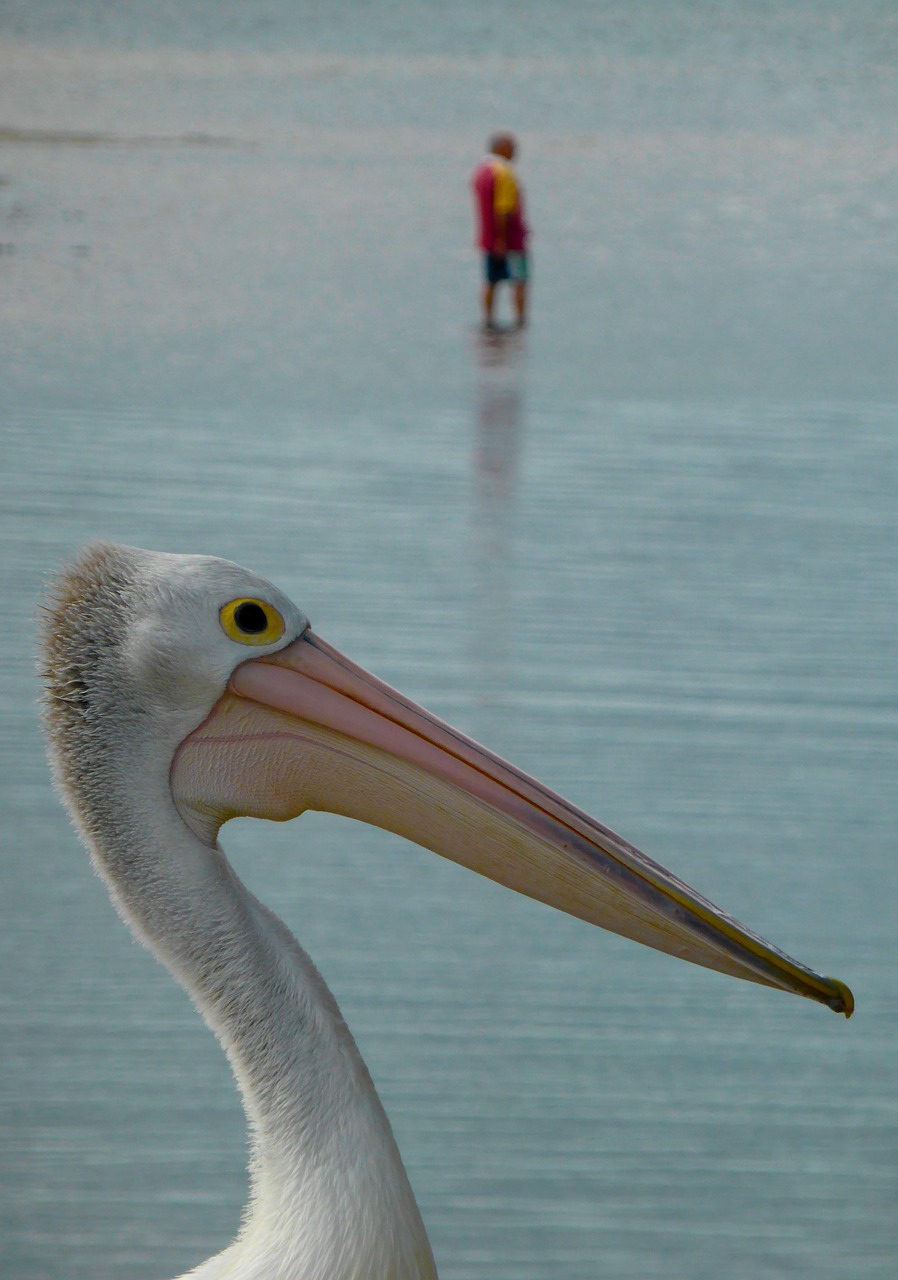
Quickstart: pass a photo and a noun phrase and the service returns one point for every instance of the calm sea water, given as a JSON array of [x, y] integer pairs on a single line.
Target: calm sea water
[[646, 550]]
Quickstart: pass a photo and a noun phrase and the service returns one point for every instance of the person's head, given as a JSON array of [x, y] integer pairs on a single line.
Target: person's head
[[504, 145]]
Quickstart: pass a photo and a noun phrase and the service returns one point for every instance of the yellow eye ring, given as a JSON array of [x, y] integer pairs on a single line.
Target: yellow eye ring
[[251, 621]]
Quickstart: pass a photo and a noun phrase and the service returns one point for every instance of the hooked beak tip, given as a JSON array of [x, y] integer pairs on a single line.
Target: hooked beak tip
[[844, 1001]]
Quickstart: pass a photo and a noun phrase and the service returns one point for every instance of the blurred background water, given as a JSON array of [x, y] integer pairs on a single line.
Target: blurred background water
[[646, 549]]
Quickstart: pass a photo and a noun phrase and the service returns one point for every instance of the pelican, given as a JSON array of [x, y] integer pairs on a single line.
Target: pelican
[[182, 691]]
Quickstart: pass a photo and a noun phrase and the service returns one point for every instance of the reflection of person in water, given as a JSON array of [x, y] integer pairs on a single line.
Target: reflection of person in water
[[502, 229]]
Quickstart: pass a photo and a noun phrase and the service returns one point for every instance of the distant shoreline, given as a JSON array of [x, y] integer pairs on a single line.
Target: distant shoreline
[[66, 138]]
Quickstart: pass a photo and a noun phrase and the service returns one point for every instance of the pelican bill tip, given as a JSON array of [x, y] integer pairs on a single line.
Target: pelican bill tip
[[843, 1000]]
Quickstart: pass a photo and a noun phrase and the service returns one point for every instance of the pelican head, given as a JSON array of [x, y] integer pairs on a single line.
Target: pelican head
[[183, 691]]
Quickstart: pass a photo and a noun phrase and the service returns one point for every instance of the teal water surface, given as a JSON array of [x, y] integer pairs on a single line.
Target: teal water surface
[[681, 618], [646, 550]]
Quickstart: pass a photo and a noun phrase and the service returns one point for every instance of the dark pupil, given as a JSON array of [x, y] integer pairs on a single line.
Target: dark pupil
[[250, 618]]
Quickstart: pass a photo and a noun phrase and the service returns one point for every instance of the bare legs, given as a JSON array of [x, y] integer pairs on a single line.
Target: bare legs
[[520, 303], [489, 298]]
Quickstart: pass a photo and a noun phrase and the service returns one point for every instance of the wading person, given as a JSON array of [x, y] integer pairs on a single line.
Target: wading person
[[501, 227]]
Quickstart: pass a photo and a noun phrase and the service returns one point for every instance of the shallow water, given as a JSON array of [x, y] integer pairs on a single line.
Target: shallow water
[[646, 550], [681, 618]]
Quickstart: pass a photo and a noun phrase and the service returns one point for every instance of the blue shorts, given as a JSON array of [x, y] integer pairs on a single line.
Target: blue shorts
[[505, 266]]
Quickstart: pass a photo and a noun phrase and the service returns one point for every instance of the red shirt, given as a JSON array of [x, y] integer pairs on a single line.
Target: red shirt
[[498, 198]]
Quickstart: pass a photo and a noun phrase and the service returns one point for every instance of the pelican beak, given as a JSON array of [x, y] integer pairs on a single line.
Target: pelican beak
[[308, 729]]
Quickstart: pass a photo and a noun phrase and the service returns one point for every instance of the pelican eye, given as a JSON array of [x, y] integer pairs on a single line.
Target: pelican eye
[[251, 622]]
